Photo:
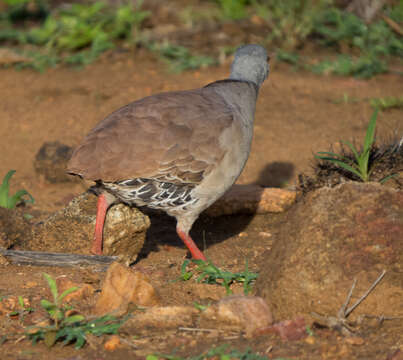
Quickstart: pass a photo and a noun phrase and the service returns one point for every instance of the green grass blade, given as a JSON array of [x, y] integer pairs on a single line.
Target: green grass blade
[[328, 154], [18, 197], [7, 178], [388, 177], [370, 135], [52, 286], [345, 166], [368, 141], [73, 319], [67, 292], [4, 189], [354, 150], [47, 305]]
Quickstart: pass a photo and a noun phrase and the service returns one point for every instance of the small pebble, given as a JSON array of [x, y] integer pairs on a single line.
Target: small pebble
[[242, 234], [113, 343], [355, 340], [265, 234], [310, 340], [31, 284]]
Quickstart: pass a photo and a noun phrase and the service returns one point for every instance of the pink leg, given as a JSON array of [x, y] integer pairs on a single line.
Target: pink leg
[[194, 250], [102, 207]]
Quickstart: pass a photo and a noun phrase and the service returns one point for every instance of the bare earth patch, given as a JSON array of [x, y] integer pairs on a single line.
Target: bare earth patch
[[297, 114]]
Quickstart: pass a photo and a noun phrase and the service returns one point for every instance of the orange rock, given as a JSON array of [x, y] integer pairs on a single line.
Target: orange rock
[[122, 286], [355, 340], [112, 343], [167, 317], [247, 313], [251, 199]]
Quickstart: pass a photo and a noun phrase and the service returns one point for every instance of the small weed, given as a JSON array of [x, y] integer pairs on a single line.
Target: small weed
[[77, 34], [10, 202], [180, 58], [24, 310], [69, 328], [200, 306], [290, 21], [361, 165], [288, 57], [233, 9], [309, 331], [345, 65], [220, 353], [208, 273], [347, 31], [387, 103]]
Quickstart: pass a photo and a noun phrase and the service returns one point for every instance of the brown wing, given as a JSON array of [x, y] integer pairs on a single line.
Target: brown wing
[[170, 137]]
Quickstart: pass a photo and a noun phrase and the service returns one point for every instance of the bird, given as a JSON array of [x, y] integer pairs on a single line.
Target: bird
[[175, 151]]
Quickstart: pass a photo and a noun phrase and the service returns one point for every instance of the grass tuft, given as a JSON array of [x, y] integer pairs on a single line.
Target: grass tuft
[[207, 273], [10, 202], [67, 325], [387, 103], [360, 167], [180, 58]]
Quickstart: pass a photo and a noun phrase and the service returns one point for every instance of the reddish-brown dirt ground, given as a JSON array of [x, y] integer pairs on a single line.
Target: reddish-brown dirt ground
[[298, 114]]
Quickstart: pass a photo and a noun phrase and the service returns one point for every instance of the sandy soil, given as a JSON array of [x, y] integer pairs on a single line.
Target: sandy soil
[[298, 114]]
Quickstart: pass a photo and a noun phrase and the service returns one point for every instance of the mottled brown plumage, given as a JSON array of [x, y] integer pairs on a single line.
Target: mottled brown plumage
[[170, 137]]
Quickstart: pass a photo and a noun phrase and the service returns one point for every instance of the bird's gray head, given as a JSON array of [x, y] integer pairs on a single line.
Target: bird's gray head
[[250, 64]]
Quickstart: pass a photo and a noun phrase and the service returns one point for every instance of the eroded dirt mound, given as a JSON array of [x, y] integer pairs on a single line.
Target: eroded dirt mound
[[332, 236], [13, 227]]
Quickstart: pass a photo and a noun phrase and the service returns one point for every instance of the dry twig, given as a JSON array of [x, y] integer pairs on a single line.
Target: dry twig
[[340, 322]]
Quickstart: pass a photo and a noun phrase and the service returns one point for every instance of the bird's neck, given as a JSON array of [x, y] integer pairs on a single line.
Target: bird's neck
[[242, 97]]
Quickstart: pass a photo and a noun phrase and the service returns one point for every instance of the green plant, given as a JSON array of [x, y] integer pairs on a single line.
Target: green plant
[[362, 67], [233, 9], [180, 58], [290, 21], [78, 34], [208, 273], [288, 57], [347, 31], [220, 353], [10, 202], [66, 325], [386, 103], [24, 310], [360, 167]]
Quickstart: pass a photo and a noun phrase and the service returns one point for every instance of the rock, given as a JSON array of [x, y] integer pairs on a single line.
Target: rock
[[288, 329], [123, 286], [112, 343], [3, 260], [246, 313], [84, 291], [334, 235], [51, 162], [14, 229], [71, 230], [168, 317], [252, 199]]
